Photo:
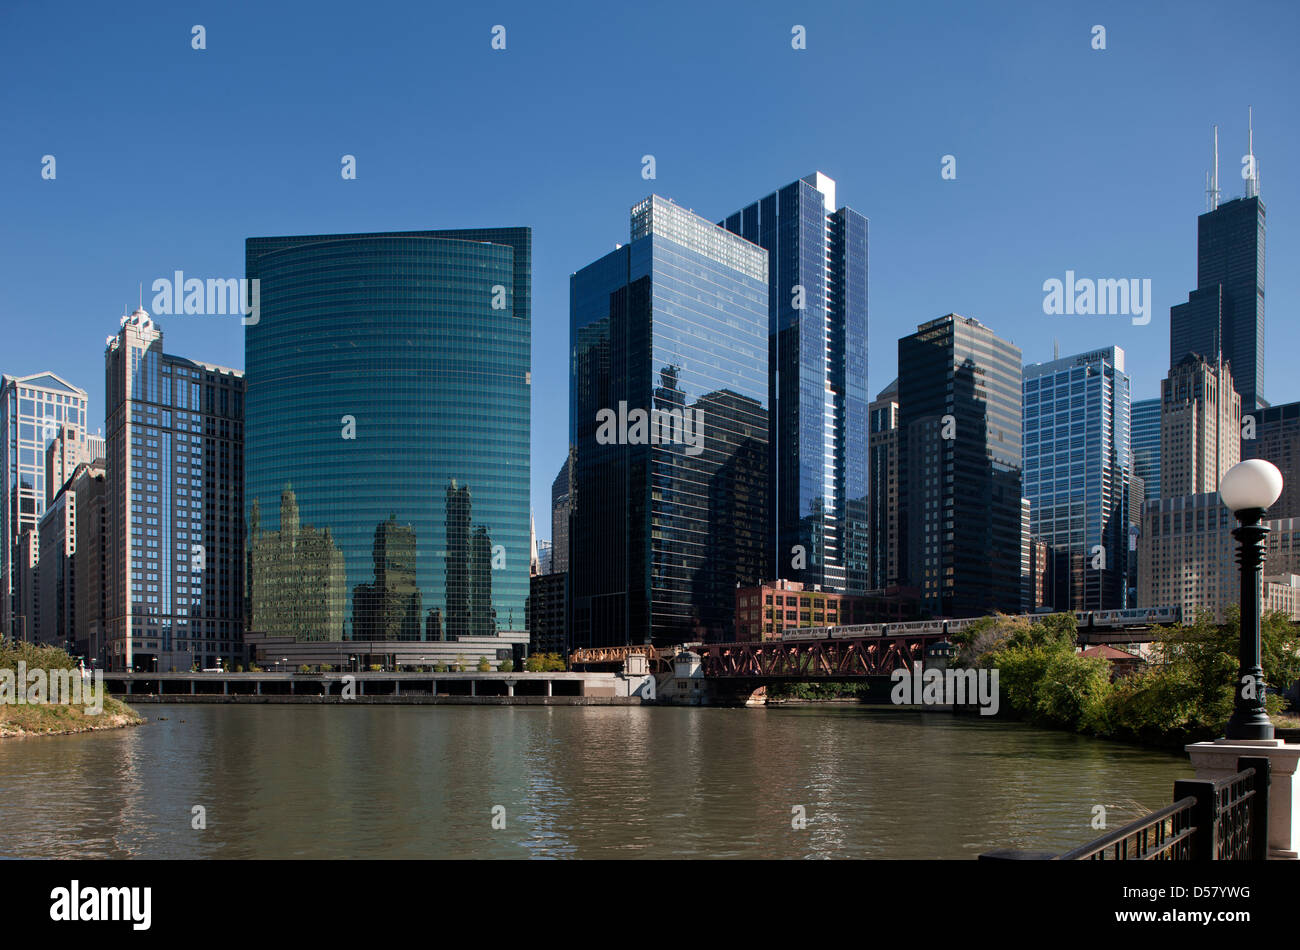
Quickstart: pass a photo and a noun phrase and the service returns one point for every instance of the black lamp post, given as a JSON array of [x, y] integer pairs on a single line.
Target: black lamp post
[[1248, 489]]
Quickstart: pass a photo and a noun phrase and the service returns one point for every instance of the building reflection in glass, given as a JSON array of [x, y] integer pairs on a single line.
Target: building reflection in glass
[[297, 581], [389, 607]]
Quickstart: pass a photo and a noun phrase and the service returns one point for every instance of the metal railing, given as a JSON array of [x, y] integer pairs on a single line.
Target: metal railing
[[1223, 820]]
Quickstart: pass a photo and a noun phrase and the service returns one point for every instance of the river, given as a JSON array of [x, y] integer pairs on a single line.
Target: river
[[557, 782]]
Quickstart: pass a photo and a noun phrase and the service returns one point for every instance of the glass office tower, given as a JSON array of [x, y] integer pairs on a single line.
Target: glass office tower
[[673, 326], [1225, 314], [959, 458], [34, 410], [387, 426], [1076, 475], [1145, 438], [817, 352]]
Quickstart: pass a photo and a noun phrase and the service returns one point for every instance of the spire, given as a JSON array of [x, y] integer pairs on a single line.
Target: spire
[[1252, 167], [1214, 179]]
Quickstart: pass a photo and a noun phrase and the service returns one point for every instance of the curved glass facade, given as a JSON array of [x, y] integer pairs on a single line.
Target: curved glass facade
[[387, 435]]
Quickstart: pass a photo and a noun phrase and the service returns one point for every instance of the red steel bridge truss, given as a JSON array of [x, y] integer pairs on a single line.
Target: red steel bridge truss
[[839, 658]]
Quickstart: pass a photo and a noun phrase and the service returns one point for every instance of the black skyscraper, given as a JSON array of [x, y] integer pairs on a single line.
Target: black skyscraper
[[959, 396], [1225, 313]]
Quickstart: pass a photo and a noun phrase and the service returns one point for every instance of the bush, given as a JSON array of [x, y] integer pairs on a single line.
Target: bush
[[35, 656], [304, 669], [506, 666], [439, 668], [483, 665], [376, 668], [1074, 692]]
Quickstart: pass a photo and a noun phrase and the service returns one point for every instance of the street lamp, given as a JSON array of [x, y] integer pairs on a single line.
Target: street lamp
[[1248, 489]]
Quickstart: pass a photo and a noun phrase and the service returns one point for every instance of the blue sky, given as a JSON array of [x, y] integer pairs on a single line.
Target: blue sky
[[1067, 157]]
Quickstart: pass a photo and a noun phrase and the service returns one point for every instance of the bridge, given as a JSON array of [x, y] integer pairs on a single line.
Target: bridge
[[863, 649], [838, 658]]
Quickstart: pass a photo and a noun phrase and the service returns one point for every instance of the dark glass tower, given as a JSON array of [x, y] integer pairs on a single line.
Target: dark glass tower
[[1146, 445], [1225, 313], [388, 398], [959, 396], [674, 323], [882, 513], [817, 351]]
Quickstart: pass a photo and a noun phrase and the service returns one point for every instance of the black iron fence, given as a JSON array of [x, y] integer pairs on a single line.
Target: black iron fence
[[1223, 820]]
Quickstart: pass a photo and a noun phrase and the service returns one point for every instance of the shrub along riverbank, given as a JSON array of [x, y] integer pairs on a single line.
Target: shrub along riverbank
[[1185, 694], [44, 718]]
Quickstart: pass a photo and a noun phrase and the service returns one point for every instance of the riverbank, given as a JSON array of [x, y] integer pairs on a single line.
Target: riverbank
[[43, 719]]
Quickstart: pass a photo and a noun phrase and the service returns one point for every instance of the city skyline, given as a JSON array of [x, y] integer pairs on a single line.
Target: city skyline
[[935, 240]]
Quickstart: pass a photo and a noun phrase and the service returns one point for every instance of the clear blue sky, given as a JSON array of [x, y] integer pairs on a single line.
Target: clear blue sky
[[1067, 158]]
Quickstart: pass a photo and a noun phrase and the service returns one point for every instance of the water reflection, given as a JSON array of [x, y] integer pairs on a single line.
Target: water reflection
[[412, 782]]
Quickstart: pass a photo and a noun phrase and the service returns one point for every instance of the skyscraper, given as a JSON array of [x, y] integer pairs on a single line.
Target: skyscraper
[[959, 428], [1077, 473], [33, 412], [174, 493], [1225, 313], [560, 490], [1200, 427], [1145, 438], [69, 449], [1186, 549], [389, 380], [669, 330], [882, 512], [817, 380], [1274, 434]]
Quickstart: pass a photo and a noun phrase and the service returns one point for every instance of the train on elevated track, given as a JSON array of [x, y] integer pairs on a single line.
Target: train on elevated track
[[1085, 619]]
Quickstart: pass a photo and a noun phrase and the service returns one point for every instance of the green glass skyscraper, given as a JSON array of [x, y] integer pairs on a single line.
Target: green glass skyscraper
[[388, 406]]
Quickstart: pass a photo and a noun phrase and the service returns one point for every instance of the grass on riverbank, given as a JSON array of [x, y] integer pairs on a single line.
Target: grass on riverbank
[[45, 719]]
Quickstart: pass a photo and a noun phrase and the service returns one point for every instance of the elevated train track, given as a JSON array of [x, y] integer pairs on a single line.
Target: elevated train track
[[873, 649]]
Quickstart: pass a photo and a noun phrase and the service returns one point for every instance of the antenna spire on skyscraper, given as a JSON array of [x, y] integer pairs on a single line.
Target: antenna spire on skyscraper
[[1252, 167], [1214, 178]]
